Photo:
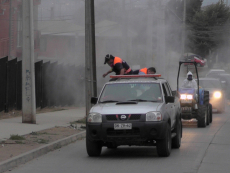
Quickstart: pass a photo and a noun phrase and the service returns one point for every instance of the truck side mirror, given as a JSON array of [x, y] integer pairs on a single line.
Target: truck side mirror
[[175, 94], [169, 99], [94, 100]]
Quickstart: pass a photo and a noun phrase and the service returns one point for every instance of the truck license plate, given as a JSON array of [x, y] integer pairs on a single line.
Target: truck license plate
[[122, 126], [186, 101]]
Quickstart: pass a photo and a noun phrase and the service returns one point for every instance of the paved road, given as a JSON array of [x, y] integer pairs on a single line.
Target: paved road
[[203, 150]]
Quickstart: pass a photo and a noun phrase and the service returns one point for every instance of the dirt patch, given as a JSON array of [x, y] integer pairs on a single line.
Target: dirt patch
[[11, 148], [17, 113]]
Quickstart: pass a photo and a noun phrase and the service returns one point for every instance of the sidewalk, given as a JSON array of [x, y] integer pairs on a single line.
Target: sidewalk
[[44, 121]]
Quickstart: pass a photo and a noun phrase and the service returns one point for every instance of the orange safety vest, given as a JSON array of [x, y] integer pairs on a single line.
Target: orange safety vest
[[119, 60], [144, 70]]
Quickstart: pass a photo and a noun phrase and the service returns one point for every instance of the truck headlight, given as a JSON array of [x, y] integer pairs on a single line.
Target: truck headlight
[[153, 116], [217, 94], [94, 118], [186, 96]]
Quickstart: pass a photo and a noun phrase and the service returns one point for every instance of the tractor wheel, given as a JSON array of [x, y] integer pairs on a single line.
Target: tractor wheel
[[206, 102], [206, 98], [210, 112], [202, 116], [208, 115]]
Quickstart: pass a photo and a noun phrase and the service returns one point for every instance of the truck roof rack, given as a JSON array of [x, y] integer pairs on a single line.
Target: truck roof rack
[[135, 76]]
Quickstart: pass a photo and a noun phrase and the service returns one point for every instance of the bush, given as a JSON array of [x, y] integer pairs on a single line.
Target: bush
[[16, 137]]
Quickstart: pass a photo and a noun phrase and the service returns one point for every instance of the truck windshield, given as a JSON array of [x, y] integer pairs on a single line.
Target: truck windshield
[[139, 92]]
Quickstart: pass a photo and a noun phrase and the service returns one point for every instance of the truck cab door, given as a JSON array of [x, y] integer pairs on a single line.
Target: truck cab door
[[170, 106]]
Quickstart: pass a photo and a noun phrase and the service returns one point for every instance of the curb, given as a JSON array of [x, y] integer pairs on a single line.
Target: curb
[[30, 155]]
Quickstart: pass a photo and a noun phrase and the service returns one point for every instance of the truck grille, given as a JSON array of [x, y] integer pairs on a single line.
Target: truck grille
[[111, 118], [135, 117], [121, 133], [131, 117]]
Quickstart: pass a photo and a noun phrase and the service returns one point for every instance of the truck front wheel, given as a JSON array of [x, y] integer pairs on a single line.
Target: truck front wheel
[[93, 147], [164, 145], [176, 141]]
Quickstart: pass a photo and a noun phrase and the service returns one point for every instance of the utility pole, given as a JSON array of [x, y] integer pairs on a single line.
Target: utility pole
[[10, 30], [183, 30], [90, 54], [149, 32], [161, 56], [124, 31], [93, 53], [28, 76]]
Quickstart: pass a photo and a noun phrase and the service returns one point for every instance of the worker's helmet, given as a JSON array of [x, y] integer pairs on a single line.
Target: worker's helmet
[[107, 58]]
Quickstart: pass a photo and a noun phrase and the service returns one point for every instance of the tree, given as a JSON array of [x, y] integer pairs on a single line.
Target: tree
[[193, 6], [208, 28]]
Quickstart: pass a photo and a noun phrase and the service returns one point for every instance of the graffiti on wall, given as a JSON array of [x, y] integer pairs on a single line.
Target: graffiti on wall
[[28, 85]]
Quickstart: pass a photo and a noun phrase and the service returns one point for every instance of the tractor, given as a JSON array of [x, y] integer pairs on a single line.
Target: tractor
[[194, 102]]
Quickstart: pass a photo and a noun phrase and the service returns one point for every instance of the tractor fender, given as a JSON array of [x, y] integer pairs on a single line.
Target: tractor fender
[[201, 96]]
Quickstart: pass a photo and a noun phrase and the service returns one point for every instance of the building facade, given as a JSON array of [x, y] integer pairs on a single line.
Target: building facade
[[11, 28]]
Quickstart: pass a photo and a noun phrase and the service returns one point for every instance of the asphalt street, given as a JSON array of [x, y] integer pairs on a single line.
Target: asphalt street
[[203, 150]]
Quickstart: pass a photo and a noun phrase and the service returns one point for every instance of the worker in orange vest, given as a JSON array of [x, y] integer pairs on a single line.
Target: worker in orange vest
[[143, 71], [119, 66]]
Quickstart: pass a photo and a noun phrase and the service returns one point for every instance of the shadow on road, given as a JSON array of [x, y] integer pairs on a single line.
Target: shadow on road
[[129, 152]]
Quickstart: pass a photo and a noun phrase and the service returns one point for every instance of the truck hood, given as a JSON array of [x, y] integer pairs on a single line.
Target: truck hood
[[112, 108]]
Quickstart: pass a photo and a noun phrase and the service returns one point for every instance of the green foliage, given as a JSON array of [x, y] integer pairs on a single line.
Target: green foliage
[[193, 6], [208, 28], [19, 142], [81, 121], [16, 137]]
